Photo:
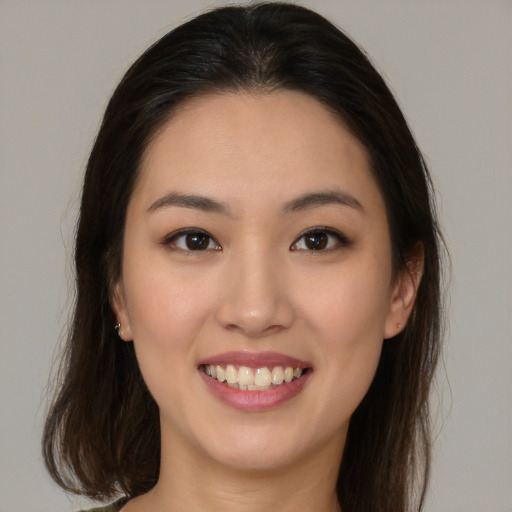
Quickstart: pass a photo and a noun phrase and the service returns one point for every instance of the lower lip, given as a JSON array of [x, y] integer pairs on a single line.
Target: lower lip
[[255, 400]]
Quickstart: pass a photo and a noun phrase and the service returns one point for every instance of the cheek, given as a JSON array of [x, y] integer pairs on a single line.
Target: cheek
[[352, 333], [348, 315], [352, 344], [165, 310], [349, 306], [166, 314]]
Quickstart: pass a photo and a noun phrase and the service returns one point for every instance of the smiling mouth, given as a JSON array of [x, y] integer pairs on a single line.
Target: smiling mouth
[[253, 379]]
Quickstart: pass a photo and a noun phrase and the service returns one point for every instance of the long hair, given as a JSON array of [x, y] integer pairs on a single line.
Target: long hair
[[101, 437]]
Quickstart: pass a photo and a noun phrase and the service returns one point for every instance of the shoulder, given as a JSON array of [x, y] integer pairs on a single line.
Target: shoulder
[[113, 507], [108, 508]]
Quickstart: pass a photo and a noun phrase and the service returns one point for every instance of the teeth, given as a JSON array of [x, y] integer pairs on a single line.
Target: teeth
[[231, 374], [245, 376], [253, 379], [263, 377], [221, 377], [277, 375]]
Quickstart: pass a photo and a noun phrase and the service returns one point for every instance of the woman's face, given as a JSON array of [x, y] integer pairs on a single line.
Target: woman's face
[[256, 242]]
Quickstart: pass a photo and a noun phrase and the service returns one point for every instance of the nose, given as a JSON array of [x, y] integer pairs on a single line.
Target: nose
[[255, 300]]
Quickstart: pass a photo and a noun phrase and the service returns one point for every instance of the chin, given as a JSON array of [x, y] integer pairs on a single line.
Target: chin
[[270, 445], [255, 456]]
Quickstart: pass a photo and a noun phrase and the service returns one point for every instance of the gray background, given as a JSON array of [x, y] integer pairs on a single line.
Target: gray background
[[450, 65]]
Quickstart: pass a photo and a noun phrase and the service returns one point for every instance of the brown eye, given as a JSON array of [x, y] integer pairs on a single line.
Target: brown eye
[[192, 241], [316, 241], [320, 239], [197, 241]]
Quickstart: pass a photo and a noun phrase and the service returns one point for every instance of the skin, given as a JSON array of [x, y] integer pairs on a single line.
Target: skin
[[256, 287]]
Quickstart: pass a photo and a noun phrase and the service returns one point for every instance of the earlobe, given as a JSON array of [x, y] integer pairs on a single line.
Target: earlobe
[[404, 294], [118, 305]]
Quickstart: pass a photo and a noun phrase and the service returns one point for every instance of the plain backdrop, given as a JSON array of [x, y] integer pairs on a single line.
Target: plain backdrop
[[449, 63]]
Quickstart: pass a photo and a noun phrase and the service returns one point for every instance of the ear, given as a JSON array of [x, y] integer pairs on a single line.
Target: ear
[[404, 293], [118, 304]]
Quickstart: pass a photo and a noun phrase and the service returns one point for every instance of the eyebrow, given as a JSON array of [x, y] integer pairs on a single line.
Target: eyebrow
[[316, 199], [196, 202], [303, 202]]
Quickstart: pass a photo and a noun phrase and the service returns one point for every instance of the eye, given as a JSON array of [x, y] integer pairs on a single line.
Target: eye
[[191, 240], [319, 239]]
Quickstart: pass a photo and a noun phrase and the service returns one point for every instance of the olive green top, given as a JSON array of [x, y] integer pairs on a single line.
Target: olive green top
[[108, 508], [113, 507]]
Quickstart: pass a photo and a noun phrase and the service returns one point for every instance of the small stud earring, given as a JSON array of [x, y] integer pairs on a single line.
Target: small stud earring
[[118, 329]]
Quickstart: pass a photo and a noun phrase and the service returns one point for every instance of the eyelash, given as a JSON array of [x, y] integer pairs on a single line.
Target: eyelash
[[170, 241], [324, 236], [340, 239]]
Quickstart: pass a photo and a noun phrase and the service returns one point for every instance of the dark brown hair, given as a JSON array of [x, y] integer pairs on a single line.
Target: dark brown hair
[[101, 437]]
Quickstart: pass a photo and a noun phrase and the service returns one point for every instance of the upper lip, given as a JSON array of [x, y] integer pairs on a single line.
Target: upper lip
[[254, 359]]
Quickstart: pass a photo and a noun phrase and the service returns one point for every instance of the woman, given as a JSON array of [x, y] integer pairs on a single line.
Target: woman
[[257, 225]]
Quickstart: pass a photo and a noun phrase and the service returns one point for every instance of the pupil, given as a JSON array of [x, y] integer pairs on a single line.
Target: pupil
[[316, 241], [197, 241]]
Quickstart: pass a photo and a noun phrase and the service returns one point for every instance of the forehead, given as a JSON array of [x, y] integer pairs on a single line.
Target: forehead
[[254, 144]]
